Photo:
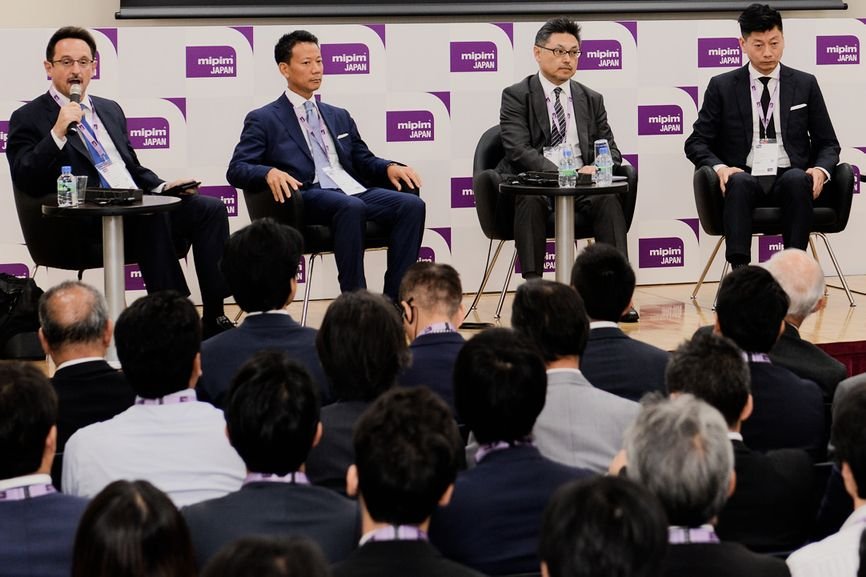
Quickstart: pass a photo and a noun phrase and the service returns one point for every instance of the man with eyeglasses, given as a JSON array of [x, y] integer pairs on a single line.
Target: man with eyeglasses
[[550, 109], [90, 135]]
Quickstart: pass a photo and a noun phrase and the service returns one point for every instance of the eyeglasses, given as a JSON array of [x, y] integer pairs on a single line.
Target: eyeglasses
[[68, 62], [559, 52]]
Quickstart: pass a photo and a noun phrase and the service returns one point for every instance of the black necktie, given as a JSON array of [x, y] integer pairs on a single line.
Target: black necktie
[[557, 132], [765, 105]]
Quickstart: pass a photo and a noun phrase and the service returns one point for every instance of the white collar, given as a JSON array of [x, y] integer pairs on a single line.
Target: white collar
[[734, 436], [603, 325], [25, 481], [298, 101], [271, 312], [74, 362], [754, 74], [858, 516], [563, 371], [547, 86]]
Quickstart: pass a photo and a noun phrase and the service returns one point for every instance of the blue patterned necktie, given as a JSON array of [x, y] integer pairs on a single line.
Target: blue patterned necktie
[[317, 146], [557, 132]]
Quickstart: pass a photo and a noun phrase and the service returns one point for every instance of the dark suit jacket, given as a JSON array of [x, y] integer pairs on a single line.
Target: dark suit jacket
[[223, 354], [37, 535], [494, 519], [769, 510], [720, 560], [328, 461], [525, 125], [433, 358], [272, 138], [722, 134], [400, 559], [272, 509], [808, 361], [618, 364]]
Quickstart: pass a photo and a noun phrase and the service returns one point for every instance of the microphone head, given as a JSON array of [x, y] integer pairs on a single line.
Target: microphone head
[[75, 92]]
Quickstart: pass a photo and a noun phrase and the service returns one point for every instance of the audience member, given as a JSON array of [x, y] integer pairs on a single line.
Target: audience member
[[363, 348], [771, 507], [679, 450], [838, 554], [75, 332], [493, 521], [407, 450], [260, 266], [603, 527], [613, 361], [272, 419], [268, 557], [788, 411], [132, 529], [580, 425], [166, 437], [431, 297], [802, 279], [37, 524]]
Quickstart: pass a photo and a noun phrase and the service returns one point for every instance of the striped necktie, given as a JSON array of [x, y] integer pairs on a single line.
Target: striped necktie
[[557, 132]]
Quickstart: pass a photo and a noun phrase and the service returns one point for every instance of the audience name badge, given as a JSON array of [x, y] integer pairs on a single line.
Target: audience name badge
[[766, 159], [344, 180]]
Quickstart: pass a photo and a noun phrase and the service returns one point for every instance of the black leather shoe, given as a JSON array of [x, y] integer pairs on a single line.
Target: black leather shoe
[[630, 316], [215, 326]]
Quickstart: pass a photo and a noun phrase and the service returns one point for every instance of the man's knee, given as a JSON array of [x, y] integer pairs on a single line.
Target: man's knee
[[795, 184]]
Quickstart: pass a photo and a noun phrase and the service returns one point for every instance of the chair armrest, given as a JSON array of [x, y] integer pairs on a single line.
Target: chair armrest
[[839, 194], [709, 200], [629, 199], [261, 204], [485, 187]]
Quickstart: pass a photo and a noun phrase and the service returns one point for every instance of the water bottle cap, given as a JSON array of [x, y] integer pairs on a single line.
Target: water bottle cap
[[567, 151], [66, 170]]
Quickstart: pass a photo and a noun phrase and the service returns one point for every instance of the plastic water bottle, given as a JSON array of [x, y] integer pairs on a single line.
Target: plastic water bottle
[[67, 195], [603, 163], [567, 169]]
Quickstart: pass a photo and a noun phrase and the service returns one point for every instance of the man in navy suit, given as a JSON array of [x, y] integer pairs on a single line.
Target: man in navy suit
[[296, 145], [41, 142], [768, 121]]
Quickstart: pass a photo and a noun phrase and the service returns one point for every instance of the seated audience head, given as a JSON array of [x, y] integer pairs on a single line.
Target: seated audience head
[[261, 556], [362, 345], [712, 368], [407, 451], [679, 449], [751, 309], [605, 281], [849, 439], [158, 339], [28, 413], [430, 293], [499, 386], [551, 315], [272, 414], [802, 279], [603, 527], [260, 265], [131, 528], [74, 322]]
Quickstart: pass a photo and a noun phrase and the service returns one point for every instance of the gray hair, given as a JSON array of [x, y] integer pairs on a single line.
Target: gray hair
[[679, 449], [801, 278], [82, 320]]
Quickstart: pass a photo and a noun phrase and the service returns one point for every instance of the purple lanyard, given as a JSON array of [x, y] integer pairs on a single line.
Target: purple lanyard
[[484, 450], [438, 328], [187, 396], [26, 492], [395, 533], [293, 478], [678, 535], [764, 120]]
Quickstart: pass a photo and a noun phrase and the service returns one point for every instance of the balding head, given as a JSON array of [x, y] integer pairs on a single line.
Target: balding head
[[801, 278], [73, 315]]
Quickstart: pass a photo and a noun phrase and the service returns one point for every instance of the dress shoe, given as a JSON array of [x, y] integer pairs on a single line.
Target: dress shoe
[[215, 326], [630, 316]]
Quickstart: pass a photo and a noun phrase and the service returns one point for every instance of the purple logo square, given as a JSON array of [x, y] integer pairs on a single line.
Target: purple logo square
[[4, 135], [600, 55], [719, 52], [17, 269], [462, 195], [211, 62], [227, 194], [134, 278], [659, 119], [768, 246], [148, 132], [408, 126], [302, 271], [831, 50], [473, 57], [661, 252], [350, 58]]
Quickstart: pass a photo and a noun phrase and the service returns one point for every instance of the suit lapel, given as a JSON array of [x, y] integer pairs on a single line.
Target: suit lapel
[[330, 120], [743, 91], [581, 111], [786, 96], [286, 114], [539, 107]]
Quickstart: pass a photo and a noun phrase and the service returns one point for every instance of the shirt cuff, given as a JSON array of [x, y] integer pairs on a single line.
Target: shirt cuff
[[827, 174], [716, 167], [60, 142]]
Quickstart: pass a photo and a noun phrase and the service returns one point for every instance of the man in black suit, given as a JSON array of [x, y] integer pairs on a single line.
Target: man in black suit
[[75, 332], [765, 130], [260, 266], [770, 509], [272, 420], [407, 450], [679, 450], [41, 142]]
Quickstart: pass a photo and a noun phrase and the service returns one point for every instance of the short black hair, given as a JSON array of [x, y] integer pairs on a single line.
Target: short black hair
[[759, 18], [712, 368], [849, 435], [500, 385], [28, 410], [603, 527], [605, 280], [271, 413], [259, 263], [362, 345], [551, 315], [75, 32], [558, 25], [261, 556], [284, 46], [61, 324], [407, 451], [750, 307], [132, 528], [158, 337], [432, 286]]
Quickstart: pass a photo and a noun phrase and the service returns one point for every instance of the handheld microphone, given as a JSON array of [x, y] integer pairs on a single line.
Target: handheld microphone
[[74, 96]]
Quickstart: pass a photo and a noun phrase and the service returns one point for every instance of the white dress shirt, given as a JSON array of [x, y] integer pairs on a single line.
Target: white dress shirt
[[836, 556]]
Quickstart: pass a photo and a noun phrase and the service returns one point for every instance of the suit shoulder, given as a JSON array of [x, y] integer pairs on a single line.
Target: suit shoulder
[[521, 86]]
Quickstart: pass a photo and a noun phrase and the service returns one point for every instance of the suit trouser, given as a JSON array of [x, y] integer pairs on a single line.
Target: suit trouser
[[531, 213], [402, 213], [791, 191]]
